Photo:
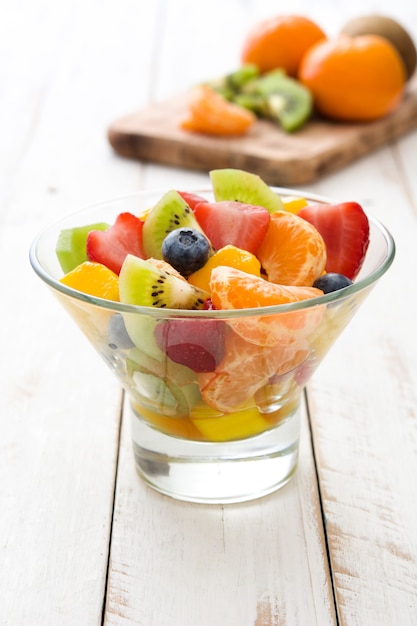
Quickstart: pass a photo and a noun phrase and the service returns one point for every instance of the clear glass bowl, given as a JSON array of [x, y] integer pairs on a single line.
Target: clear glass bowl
[[231, 434]]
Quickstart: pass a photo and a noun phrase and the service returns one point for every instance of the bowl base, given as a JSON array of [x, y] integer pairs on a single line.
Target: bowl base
[[216, 473]]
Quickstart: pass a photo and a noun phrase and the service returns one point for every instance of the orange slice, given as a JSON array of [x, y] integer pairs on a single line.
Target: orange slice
[[95, 279], [291, 252], [212, 114], [234, 289], [244, 370]]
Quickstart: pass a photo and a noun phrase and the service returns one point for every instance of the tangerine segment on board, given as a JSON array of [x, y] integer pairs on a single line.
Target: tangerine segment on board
[[212, 114], [354, 78], [234, 289], [280, 42], [292, 252]]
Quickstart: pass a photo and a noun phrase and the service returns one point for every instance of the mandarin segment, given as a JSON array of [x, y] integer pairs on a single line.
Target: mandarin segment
[[292, 253], [246, 368], [228, 255], [212, 114], [233, 289]]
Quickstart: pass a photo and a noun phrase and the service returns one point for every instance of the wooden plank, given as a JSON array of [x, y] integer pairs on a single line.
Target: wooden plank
[[59, 404], [363, 410], [259, 563], [282, 159]]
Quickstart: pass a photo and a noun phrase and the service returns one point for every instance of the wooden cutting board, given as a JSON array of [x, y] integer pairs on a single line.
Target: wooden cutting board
[[153, 134]]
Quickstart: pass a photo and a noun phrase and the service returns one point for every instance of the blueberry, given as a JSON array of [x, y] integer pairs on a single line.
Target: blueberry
[[332, 282], [186, 249]]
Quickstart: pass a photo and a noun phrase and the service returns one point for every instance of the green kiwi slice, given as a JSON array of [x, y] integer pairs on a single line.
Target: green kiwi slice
[[279, 97], [169, 213], [143, 284], [241, 186], [71, 245], [169, 388]]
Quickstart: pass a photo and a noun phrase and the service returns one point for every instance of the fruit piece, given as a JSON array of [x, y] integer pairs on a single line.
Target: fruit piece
[[192, 199], [228, 255], [186, 249], [233, 289], [176, 426], [198, 344], [354, 78], [231, 84], [345, 230], [212, 114], [245, 368], [240, 186], [110, 247], [71, 245], [163, 396], [140, 329], [217, 426], [293, 251], [279, 98], [169, 213], [95, 279], [163, 368], [391, 30], [141, 283], [235, 223], [118, 337], [293, 204], [332, 282], [280, 42]]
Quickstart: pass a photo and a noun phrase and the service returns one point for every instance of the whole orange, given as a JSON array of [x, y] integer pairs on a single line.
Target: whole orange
[[354, 78], [280, 42]]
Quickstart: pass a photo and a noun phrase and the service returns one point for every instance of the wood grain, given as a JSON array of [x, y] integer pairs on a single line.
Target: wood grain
[[321, 147]]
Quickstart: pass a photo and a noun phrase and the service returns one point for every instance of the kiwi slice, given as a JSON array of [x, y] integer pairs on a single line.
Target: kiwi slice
[[167, 388], [169, 213], [164, 396], [241, 186], [140, 329], [143, 284], [231, 84], [71, 247], [175, 372]]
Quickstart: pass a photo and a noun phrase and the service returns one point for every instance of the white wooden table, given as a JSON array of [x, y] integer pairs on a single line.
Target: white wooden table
[[82, 541]]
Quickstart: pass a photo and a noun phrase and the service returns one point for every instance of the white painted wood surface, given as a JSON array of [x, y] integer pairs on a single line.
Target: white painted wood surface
[[82, 540]]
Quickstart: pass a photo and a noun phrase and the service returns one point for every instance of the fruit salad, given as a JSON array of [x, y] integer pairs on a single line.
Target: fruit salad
[[202, 329]]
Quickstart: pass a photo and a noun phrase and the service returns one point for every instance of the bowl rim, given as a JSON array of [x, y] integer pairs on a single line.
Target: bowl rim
[[119, 307]]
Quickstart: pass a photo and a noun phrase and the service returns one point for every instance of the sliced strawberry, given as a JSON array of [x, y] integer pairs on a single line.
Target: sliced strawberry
[[198, 344], [110, 247], [233, 223], [192, 199], [345, 230]]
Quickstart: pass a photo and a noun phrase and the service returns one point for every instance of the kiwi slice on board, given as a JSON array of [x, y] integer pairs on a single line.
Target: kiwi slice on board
[[143, 284], [240, 186], [169, 213]]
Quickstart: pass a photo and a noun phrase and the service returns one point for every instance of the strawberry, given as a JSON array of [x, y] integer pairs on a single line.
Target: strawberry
[[233, 223], [345, 230], [110, 247], [192, 199]]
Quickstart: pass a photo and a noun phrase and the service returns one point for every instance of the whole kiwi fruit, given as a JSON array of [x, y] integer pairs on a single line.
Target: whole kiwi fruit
[[390, 29]]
